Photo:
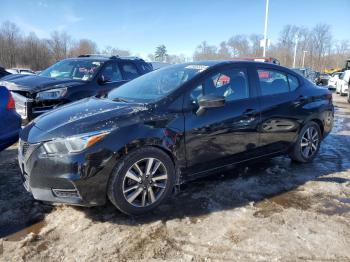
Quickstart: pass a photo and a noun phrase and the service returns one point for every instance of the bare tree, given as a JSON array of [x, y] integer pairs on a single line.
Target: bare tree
[[59, 43], [239, 45], [34, 53], [321, 40], [255, 49], [205, 52], [83, 46], [224, 51], [9, 41]]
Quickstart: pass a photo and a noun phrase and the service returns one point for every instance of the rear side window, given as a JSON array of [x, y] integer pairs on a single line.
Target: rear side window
[[272, 82], [146, 67], [129, 71], [293, 82]]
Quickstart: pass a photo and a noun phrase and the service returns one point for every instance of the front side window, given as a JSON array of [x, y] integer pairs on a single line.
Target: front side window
[[75, 69], [230, 83], [272, 82], [111, 73]]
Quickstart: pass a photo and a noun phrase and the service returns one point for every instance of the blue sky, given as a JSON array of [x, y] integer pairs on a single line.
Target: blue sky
[[139, 26]]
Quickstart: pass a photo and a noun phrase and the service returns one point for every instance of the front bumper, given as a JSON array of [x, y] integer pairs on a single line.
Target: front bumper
[[79, 179]]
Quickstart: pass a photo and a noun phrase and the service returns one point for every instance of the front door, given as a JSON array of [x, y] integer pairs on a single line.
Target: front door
[[222, 135], [111, 78]]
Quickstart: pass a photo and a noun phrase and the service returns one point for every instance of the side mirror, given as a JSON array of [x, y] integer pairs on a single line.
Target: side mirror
[[102, 80], [209, 101]]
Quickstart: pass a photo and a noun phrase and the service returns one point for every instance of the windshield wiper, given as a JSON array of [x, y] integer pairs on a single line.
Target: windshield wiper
[[118, 99]]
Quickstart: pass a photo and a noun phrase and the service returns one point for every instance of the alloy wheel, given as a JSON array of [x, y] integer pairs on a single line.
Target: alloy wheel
[[145, 182], [309, 142]]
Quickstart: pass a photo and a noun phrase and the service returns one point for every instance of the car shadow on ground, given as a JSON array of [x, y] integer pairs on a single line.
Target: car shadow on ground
[[248, 184], [18, 209]]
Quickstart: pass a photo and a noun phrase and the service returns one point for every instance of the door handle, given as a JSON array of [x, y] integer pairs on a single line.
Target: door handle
[[302, 98], [250, 112]]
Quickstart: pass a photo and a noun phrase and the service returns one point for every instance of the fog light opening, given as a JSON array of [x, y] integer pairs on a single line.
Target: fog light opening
[[66, 193]]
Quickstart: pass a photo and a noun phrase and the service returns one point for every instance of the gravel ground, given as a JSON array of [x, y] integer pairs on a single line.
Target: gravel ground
[[269, 211]]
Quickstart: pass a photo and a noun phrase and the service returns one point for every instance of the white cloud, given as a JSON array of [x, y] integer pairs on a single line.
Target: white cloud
[[68, 19]]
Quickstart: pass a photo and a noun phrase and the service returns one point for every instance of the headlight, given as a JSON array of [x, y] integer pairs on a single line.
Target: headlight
[[51, 94], [73, 144]]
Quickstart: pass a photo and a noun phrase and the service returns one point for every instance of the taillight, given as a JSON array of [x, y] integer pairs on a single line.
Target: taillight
[[10, 102]]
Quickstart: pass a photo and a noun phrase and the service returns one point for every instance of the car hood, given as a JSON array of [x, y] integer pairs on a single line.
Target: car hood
[[35, 83], [83, 116]]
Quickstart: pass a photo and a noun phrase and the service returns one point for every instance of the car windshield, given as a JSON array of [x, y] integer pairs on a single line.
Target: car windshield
[[77, 69], [157, 84]]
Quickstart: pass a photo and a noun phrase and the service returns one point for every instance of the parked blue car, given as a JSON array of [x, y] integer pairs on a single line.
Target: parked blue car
[[10, 121]]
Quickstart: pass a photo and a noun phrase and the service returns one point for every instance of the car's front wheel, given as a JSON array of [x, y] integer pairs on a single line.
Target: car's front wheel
[[307, 144], [141, 181]]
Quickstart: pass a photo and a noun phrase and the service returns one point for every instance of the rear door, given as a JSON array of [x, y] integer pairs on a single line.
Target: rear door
[[223, 135], [129, 70], [280, 100]]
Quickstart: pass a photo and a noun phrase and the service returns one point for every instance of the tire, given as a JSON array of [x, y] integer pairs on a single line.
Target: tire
[[299, 152], [133, 189], [349, 95]]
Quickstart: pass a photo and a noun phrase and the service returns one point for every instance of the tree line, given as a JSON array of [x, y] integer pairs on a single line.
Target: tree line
[[321, 49], [30, 51]]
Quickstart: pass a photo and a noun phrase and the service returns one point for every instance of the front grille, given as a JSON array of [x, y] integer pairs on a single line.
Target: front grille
[[26, 149]]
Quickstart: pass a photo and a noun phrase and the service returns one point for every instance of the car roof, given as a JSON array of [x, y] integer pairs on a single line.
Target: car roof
[[211, 63], [103, 58]]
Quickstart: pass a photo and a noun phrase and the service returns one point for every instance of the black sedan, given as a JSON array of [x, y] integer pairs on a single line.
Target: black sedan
[[169, 126]]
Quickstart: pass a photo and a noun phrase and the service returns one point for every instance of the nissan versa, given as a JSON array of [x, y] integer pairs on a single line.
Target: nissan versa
[[168, 126]]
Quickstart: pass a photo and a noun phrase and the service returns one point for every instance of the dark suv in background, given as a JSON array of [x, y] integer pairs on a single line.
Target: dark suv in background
[[3, 72], [70, 80]]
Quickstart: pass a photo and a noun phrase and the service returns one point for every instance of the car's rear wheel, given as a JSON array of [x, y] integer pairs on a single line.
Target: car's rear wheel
[[307, 144], [349, 95], [142, 180]]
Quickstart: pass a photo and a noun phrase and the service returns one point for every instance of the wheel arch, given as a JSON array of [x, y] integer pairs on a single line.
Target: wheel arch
[[319, 123], [150, 142]]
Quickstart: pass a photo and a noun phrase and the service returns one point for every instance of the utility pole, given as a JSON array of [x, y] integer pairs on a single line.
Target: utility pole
[[304, 52], [295, 50], [265, 30]]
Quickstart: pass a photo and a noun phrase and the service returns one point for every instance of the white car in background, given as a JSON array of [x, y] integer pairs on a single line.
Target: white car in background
[[342, 85], [22, 71], [332, 82]]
